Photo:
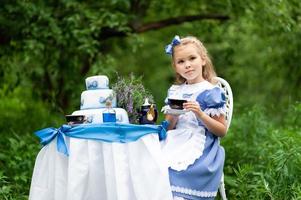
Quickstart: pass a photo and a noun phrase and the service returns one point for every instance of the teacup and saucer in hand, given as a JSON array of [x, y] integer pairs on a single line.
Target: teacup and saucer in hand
[[174, 107]]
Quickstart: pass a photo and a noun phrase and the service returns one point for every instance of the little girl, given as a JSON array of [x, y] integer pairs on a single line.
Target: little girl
[[192, 149]]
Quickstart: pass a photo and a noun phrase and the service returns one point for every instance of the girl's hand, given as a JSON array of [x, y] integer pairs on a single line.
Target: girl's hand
[[194, 107], [217, 125]]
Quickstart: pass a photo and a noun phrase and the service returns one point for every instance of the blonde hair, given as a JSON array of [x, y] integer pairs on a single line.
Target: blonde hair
[[208, 72]]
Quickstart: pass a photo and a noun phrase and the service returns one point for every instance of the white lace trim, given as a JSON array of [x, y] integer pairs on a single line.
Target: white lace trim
[[193, 192], [167, 110], [216, 111], [178, 198], [164, 108], [189, 152]]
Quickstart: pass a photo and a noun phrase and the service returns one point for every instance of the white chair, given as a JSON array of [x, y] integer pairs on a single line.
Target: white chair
[[224, 85]]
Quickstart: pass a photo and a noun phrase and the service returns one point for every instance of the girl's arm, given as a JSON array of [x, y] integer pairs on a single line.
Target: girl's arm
[[215, 124], [172, 121]]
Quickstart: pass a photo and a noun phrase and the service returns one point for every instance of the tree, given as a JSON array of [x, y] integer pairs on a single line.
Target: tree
[[51, 46], [54, 44]]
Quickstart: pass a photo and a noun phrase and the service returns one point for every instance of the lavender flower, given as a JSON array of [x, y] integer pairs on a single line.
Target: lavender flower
[[130, 105], [130, 94]]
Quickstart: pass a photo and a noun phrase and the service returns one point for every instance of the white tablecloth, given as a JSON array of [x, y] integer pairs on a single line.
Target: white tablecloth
[[101, 171]]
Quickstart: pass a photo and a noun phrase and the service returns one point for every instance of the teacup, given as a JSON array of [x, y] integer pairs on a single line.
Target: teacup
[[176, 103], [75, 119]]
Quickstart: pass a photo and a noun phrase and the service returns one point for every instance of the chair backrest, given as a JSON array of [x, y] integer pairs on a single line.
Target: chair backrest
[[224, 85]]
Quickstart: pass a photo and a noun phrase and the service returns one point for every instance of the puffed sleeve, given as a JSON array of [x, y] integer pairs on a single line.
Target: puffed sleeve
[[212, 101]]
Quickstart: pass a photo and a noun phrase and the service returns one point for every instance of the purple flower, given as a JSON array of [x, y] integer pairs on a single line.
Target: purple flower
[[130, 94], [130, 104]]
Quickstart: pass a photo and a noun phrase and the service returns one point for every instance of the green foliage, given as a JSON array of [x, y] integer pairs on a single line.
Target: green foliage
[[21, 115], [262, 157], [16, 163], [52, 44], [263, 35]]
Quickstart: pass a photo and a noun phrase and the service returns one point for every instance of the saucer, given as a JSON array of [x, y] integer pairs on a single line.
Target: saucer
[[175, 111]]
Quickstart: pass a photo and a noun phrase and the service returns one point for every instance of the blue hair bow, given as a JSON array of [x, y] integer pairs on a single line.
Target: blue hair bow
[[176, 40]]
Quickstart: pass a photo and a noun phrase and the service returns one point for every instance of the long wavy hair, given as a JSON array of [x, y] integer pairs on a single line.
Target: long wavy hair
[[208, 69]]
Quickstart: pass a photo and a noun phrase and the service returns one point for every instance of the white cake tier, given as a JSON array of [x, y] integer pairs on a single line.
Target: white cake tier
[[92, 99], [94, 116], [97, 82]]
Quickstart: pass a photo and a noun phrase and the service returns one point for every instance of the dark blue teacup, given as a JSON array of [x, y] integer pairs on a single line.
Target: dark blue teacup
[[176, 103]]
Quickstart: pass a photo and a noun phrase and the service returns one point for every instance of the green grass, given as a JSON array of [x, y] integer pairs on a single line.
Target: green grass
[[263, 158]]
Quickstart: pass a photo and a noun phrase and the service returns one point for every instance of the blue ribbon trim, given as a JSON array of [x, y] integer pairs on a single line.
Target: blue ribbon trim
[[106, 132]]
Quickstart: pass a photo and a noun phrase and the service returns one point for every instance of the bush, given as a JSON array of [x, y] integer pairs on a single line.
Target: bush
[[263, 158], [21, 115], [16, 162]]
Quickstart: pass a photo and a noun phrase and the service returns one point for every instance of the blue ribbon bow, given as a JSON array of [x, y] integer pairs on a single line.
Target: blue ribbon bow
[[107, 132], [48, 134], [176, 40], [163, 131]]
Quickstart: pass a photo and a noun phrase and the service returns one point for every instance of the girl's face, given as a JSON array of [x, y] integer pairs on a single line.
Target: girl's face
[[188, 63]]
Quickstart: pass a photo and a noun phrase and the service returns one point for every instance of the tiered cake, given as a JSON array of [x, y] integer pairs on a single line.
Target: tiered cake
[[94, 99]]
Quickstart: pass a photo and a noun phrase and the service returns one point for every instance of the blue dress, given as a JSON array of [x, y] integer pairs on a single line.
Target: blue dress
[[194, 155]]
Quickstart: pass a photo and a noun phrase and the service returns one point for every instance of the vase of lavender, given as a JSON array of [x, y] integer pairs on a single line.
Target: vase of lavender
[[131, 94]]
